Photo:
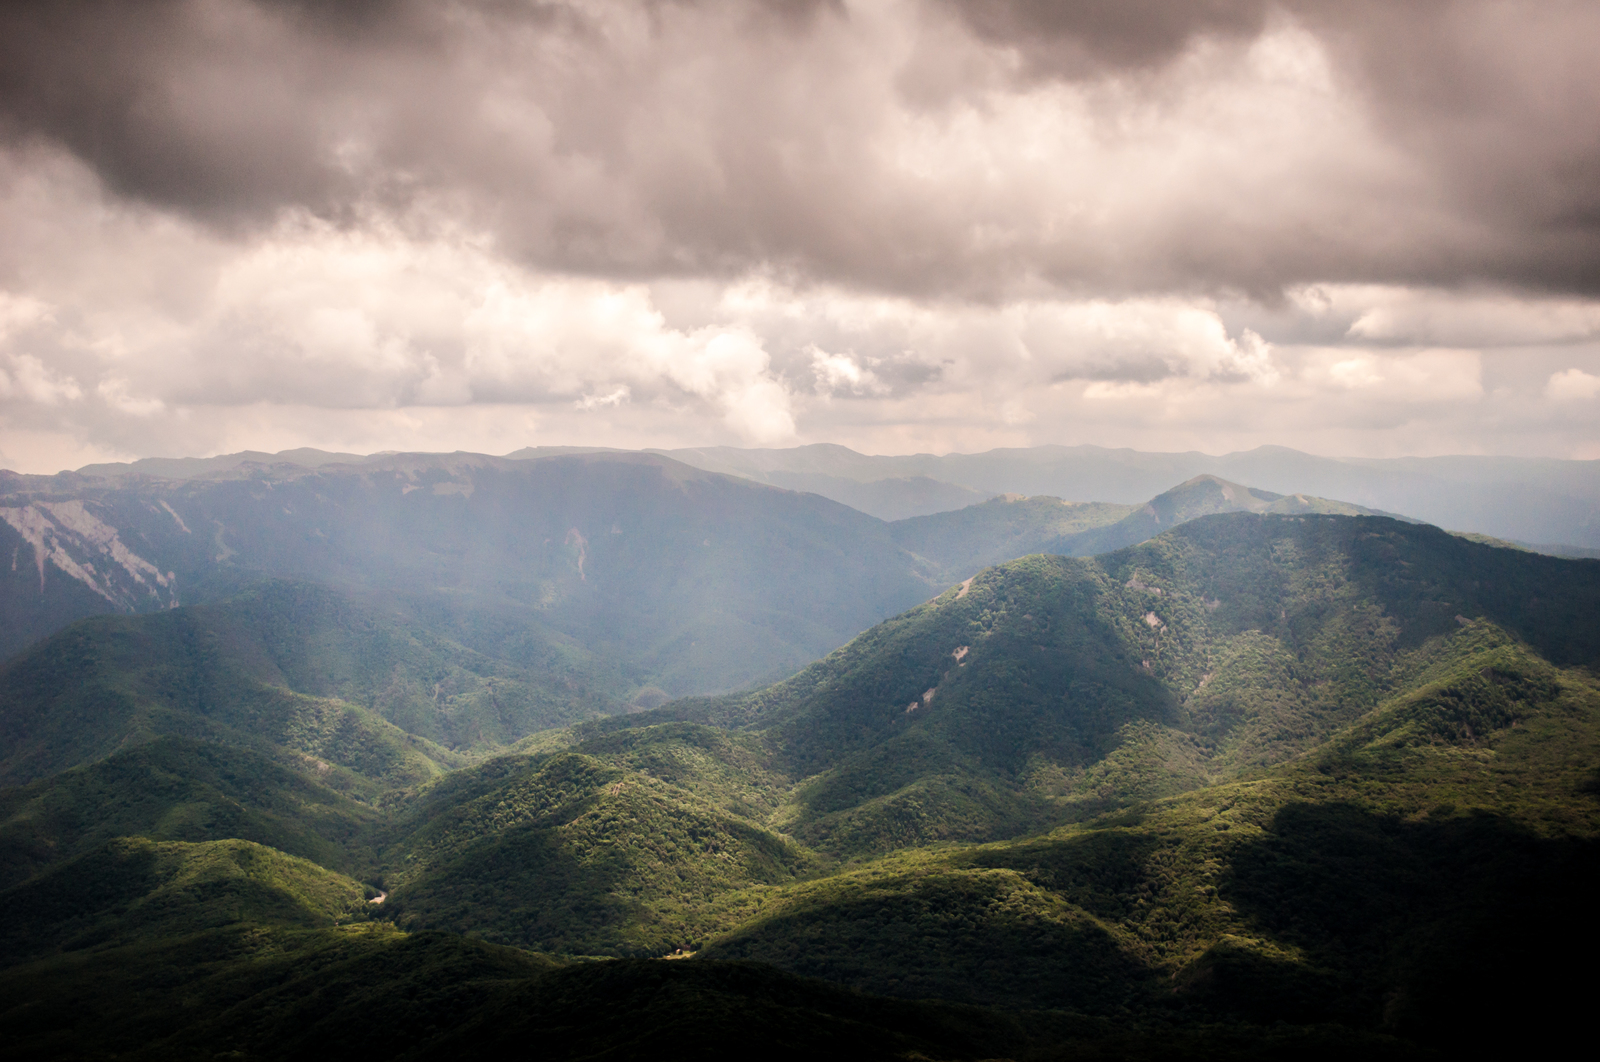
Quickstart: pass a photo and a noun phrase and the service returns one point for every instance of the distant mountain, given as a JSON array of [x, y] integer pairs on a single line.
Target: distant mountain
[[1525, 499], [964, 541], [683, 580], [644, 577]]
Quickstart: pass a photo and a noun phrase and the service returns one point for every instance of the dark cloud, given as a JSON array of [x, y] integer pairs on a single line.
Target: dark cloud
[[1460, 142], [1076, 38]]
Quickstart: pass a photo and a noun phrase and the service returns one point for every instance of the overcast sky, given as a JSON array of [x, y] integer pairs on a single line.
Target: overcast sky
[[1365, 227]]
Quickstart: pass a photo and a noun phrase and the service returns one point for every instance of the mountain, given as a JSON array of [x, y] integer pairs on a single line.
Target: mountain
[[964, 541], [1266, 784], [1526, 500], [1523, 499], [679, 580], [131, 888], [179, 789]]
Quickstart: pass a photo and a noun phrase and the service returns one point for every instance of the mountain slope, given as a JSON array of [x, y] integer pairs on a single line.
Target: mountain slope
[[1523, 499], [133, 888], [1010, 526], [1052, 686], [679, 579], [1390, 879], [176, 789]]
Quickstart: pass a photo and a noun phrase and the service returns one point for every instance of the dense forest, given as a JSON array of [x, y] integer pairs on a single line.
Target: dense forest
[[1275, 781]]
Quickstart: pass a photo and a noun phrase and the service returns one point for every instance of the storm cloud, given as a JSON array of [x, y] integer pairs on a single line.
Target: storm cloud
[[897, 223]]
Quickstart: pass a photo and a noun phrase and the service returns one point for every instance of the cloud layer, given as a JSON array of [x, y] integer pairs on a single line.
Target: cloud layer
[[937, 224]]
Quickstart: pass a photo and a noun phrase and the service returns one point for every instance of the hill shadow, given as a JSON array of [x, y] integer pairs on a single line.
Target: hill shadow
[[1452, 930]]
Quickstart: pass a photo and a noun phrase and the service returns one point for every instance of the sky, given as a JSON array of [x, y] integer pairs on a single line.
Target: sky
[[1353, 227]]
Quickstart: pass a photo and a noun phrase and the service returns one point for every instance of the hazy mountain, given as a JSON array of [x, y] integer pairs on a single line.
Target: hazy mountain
[[681, 579], [962, 542], [630, 574], [1526, 499]]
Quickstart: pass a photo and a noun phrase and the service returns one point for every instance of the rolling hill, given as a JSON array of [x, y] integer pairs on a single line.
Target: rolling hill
[[1268, 783]]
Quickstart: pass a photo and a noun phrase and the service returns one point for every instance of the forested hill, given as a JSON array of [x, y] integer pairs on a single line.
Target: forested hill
[[682, 581], [1264, 785], [1230, 643]]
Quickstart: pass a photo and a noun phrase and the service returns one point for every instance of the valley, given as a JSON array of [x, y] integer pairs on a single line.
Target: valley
[[1245, 760]]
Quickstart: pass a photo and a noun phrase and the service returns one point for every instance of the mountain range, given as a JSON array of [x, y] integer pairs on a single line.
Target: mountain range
[[425, 755]]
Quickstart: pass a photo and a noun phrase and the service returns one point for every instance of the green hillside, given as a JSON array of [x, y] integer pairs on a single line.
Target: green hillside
[[133, 888], [578, 855], [178, 789], [363, 694], [1263, 785], [1459, 803], [1059, 687], [204, 673]]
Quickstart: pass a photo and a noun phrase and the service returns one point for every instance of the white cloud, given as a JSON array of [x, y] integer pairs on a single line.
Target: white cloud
[[1425, 377], [139, 333], [1466, 318], [1572, 385]]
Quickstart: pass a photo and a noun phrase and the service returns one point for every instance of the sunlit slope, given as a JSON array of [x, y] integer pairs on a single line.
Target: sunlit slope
[[1051, 686], [270, 671], [589, 855], [1397, 877]]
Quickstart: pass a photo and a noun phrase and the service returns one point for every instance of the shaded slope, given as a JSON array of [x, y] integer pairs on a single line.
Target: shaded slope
[[133, 888], [684, 579], [366, 991], [175, 789], [1398, 878]]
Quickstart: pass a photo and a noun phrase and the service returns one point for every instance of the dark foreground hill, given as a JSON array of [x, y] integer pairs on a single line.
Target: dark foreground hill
[[1263, 786]]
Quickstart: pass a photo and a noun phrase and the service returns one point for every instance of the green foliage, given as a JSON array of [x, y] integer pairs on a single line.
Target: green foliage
[[131, 888], [264, 990], [572, 855], [369, 991], [112, 681], [970, 934], [175, 789], [1311, 769]]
